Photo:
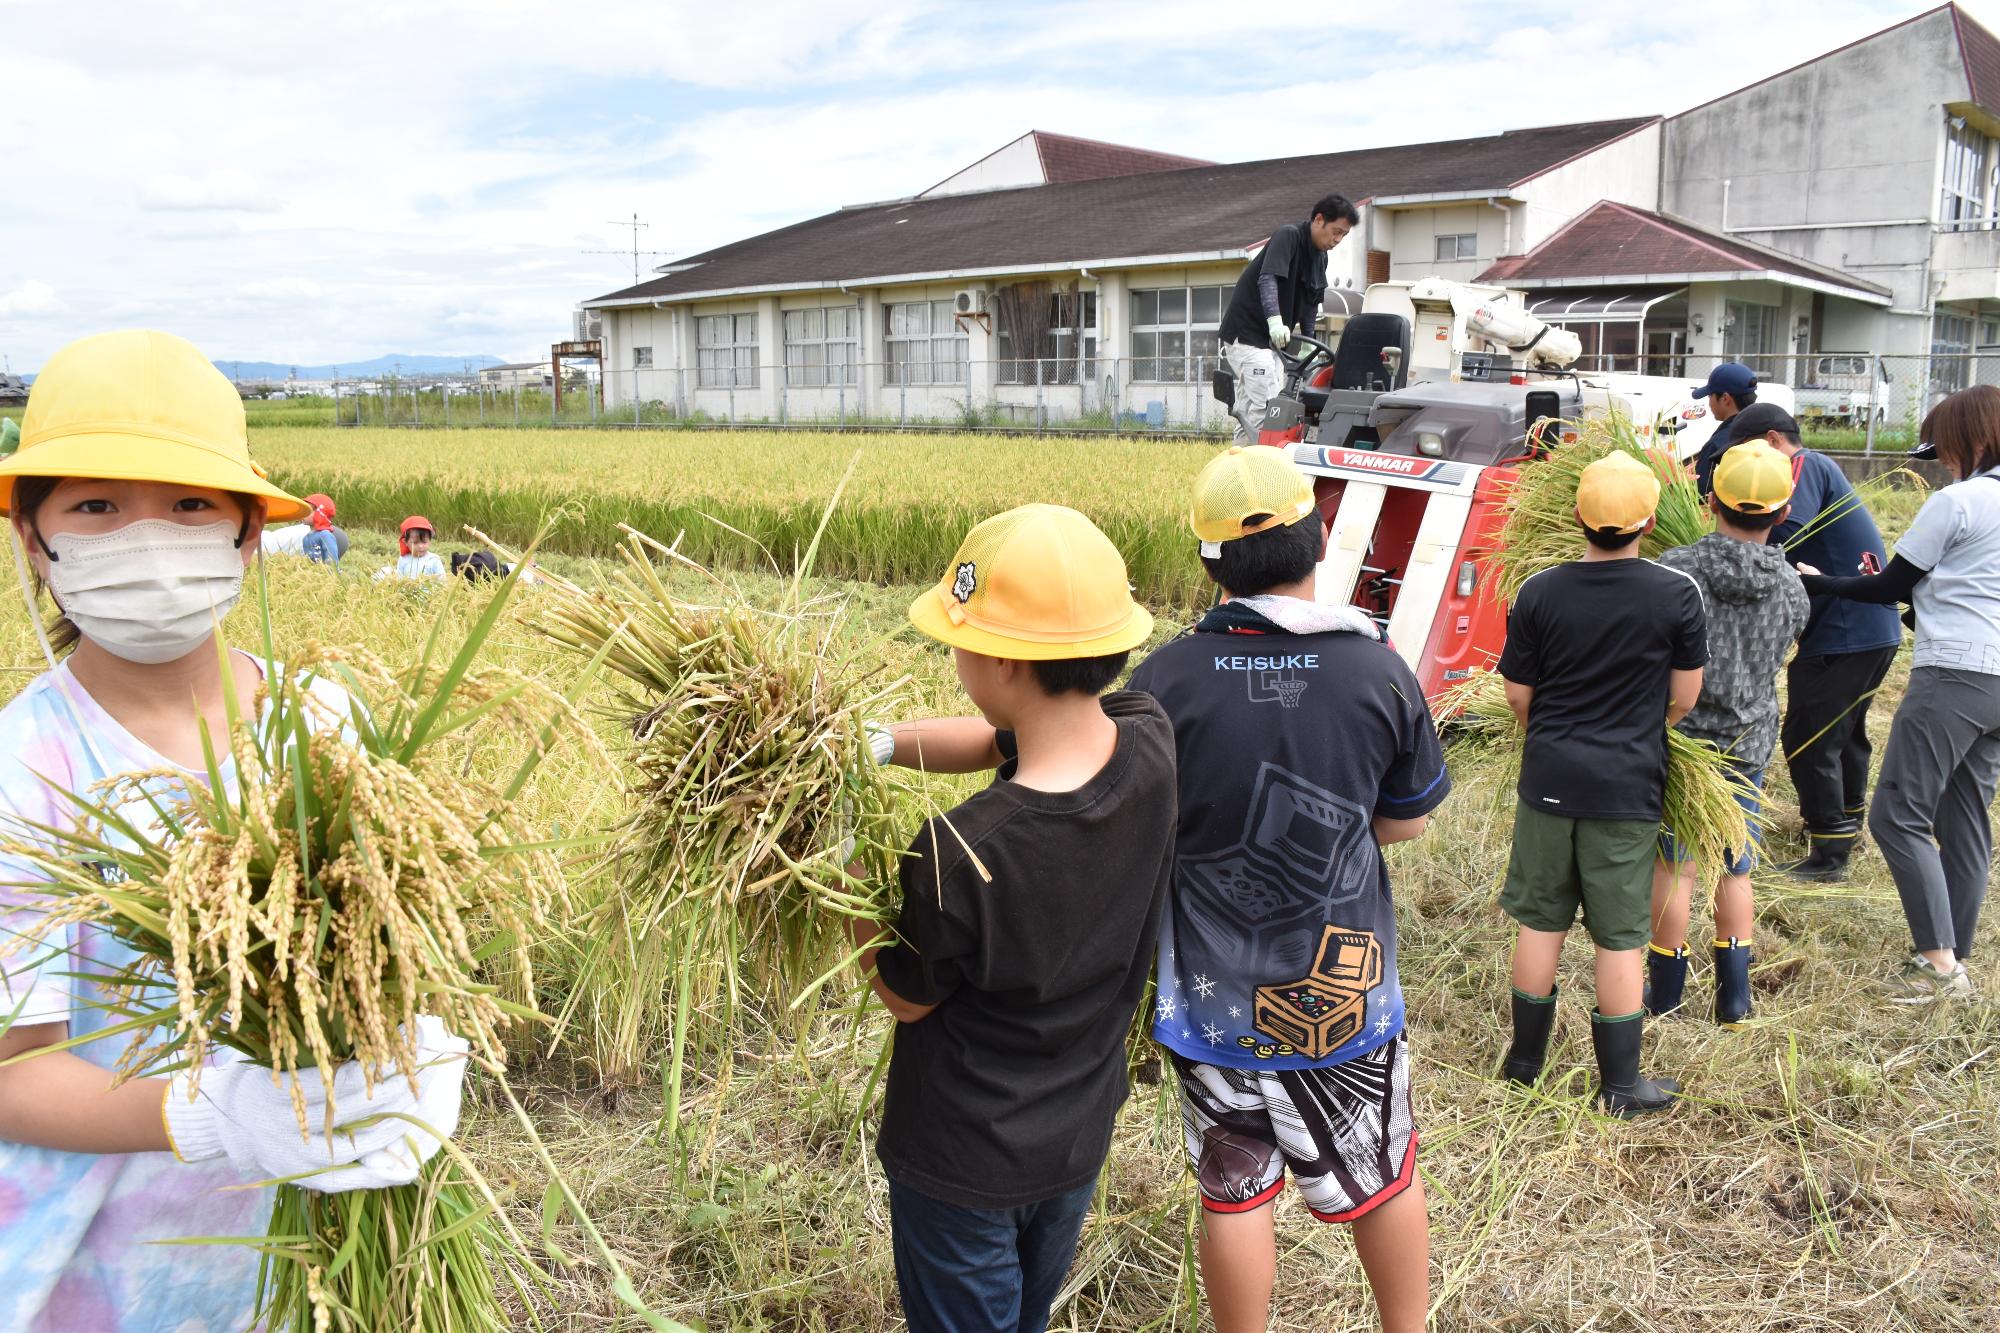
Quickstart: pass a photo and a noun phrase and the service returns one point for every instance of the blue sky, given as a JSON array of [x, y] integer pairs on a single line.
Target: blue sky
[[314, 183]]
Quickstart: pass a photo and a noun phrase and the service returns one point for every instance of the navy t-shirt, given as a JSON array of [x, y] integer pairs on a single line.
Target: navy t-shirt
[[1846, 544], [1278, 946]]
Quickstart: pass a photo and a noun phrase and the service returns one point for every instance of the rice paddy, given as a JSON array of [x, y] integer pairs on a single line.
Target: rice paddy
[[1832, 1165]]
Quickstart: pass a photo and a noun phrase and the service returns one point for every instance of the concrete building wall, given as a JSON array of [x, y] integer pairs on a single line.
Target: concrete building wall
[[1855, 137], [1625, 172], [1019, 163], [1412, 240]]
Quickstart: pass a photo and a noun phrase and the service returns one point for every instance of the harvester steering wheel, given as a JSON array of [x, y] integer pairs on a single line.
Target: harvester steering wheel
[[1302, 366]]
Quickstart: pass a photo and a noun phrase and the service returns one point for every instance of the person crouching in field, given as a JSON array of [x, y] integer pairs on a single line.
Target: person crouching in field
[[138, 508], [1602, 654], [416, 559], [1756, 609], [1029, 914], [1304, 747]]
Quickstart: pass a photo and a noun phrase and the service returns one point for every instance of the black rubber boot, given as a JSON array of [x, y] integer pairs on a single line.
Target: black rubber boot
[[1534, 1019], [1732, 982], [1666, 979], [1857, 815], [1827, 861], [1624, 1092]]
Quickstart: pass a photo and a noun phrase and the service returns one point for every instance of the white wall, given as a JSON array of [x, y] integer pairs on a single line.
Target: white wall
[[1019, 163], [1412, 235], [1625, 172]]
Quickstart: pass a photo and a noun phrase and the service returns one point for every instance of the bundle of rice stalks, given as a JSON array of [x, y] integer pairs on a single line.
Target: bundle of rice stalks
[[750, 779], [334, 877], [1541, 528], [1700, 807]]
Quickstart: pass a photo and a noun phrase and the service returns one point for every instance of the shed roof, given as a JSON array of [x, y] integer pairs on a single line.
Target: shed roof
[[1611, 244], [1212, 211]]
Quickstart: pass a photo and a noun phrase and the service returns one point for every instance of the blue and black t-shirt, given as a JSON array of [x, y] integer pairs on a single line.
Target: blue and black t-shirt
[[1844, 541], [1278, 946]]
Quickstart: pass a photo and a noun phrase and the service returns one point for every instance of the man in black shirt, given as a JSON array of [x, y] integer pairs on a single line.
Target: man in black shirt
[[1602, 655], [1277, 296], [1029, 915]]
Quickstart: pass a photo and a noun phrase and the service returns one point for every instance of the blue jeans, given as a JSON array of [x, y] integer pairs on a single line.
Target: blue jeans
[[1750, 797], [983, 1270], [322, 549]]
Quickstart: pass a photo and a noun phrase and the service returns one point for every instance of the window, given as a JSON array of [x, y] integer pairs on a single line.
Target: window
[[926, 345], [726, 351], [1969, 163], [1067, 313], [1462, 245], [1951, 346], [1751, 330], [1173, 333], [1989, 332], [821, 346], [642, 358]]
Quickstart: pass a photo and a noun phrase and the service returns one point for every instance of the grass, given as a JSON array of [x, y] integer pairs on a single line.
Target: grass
[[910, 501], [1831, 1168]]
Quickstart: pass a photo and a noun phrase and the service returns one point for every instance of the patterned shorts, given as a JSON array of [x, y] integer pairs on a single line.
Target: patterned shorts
[[1345, 1132]]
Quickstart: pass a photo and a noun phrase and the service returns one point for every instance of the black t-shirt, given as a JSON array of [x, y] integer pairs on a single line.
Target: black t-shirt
[[1599, 640], [1279, 945], [1300, 268], [1005, 1094]]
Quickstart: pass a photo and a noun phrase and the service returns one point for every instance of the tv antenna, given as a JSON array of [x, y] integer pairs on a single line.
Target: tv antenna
[[635, 252]]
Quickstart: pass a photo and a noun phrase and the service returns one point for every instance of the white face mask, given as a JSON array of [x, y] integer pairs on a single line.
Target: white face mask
[[150, 591]]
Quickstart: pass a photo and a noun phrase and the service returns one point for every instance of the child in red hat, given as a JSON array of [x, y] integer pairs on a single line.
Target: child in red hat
[[417, 560]]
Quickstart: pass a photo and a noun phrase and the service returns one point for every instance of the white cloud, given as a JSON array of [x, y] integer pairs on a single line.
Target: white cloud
[[223, 189], [30, 298], [326, 183]]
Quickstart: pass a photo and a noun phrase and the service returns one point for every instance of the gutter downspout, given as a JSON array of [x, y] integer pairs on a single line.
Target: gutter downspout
[[1506, 225]]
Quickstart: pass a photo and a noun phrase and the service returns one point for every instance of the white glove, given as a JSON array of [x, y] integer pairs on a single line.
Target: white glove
[[1281, 337], [245, 1113], [881, 742]]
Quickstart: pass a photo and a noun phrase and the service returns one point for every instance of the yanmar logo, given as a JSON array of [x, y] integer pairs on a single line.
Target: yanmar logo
[[1393, 465]]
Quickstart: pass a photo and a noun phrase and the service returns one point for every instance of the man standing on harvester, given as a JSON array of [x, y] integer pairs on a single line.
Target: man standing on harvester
[[1276, 298]]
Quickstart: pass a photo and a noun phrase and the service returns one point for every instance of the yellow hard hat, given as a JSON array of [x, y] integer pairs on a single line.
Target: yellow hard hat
[[1617, 492], [137, 405], [1246, 490], [1035, 584], [1753, 478]]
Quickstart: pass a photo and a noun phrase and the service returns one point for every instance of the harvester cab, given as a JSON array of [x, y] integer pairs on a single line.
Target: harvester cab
[[1414, 425]]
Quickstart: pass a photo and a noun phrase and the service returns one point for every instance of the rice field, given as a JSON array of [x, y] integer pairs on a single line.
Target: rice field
[[1832, 1166]]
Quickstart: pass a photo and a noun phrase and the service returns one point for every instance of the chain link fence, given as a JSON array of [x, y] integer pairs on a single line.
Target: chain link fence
[[1157, 395], [1856, 402]]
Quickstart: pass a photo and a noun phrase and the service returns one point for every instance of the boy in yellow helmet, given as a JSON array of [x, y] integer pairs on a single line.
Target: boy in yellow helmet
[[1028, 920]]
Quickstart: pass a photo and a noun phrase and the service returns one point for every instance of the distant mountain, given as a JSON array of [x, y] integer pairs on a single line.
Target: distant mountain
[[404, 364]]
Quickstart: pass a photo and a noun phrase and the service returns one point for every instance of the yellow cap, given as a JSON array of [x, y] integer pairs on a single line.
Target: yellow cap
[[1753, 478], [1247, 490], [1035, 584], [1617, 492], [138, 406]]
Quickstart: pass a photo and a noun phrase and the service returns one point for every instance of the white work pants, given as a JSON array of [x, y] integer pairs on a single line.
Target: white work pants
[[1259, 376]]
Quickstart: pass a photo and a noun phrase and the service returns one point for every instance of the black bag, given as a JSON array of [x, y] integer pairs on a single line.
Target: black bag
[[475, 565]]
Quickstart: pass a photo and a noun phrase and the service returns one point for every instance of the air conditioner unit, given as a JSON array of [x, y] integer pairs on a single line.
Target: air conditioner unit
[[589, 326], [970, 301]]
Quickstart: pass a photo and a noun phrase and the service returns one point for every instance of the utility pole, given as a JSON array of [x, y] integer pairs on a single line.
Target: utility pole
[[636, 226]]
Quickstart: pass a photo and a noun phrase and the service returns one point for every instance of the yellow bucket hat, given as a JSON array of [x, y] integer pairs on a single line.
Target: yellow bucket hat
[[1617, 492], [137, 405], [1035, 584], [1753, 478]]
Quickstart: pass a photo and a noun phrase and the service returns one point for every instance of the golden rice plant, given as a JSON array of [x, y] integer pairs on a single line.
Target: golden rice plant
[[749, 775], [304, 914], [1541, 528], [1700, 807]]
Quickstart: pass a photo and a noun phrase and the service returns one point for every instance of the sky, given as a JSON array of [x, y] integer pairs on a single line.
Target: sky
[[312, 183]]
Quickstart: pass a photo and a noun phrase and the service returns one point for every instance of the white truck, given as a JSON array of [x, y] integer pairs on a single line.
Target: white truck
[[1842, 389]]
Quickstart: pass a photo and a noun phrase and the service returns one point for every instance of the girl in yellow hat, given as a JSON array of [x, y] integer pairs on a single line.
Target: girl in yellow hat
[[133, 501]]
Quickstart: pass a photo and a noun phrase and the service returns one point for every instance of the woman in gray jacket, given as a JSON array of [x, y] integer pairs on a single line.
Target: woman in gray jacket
[[1929, 815]]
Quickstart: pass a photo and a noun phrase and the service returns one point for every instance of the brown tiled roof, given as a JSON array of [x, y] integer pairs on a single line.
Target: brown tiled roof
[[1209, 209], [1066, 158], [1614, 243], [1980, 50]]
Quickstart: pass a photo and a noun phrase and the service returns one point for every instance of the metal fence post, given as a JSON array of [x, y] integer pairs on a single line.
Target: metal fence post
[[843, 400], [517, 402], [447, 405], [902, 402], [1874, 408], [1041, 403]]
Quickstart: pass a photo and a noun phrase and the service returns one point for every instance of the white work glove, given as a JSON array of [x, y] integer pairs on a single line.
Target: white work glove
[[881, 742], [243, 1113], [1281, 337]]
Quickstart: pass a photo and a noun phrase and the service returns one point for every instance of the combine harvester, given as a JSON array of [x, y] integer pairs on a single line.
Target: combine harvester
[[1413, 424]]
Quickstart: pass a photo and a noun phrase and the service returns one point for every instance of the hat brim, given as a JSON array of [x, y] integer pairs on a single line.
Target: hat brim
[[1703, 391], [1926, 450], [117, 456], [929, 614]]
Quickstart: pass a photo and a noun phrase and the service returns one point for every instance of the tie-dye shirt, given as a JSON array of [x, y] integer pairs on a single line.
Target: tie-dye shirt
[[79, 1231]]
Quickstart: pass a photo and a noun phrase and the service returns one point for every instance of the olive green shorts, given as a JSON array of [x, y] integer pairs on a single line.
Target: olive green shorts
[[1603, 866]]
